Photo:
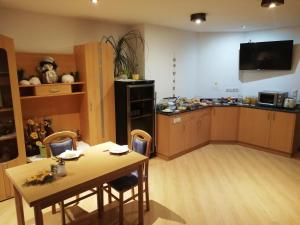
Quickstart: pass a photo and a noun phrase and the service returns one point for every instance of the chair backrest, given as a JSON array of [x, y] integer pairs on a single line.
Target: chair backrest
[[140, 142], [58, 142]]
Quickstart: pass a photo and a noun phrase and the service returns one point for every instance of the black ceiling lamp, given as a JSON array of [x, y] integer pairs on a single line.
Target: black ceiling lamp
[[271, 3], [198, 18]]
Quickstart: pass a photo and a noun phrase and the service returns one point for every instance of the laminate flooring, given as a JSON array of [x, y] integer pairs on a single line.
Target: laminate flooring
[[213, 185]]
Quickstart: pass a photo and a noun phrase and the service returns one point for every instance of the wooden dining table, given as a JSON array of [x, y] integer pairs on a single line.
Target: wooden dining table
[[93, 169]]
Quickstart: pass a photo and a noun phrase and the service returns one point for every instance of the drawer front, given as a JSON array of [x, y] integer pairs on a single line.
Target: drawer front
[[53, 89]]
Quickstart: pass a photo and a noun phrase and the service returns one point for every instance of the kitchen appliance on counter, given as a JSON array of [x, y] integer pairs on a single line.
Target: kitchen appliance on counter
[[270, 98], [289, 103]]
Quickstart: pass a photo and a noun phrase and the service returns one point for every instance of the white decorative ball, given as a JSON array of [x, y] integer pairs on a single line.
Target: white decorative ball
[[34, 81], [67, 78], [24, 82]]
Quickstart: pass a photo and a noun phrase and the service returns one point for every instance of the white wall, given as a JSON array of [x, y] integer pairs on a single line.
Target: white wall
[[162, 44], [34, 32], [218, 64]]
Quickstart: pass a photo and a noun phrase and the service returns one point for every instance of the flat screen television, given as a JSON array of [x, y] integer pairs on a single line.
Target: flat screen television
[[273, 55]]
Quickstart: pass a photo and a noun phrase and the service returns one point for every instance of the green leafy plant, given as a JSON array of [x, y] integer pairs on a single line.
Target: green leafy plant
[[125, 51]]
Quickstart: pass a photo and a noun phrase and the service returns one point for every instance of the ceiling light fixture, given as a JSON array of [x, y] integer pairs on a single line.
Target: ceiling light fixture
[[94, 1], [198, 18], [271, 3]]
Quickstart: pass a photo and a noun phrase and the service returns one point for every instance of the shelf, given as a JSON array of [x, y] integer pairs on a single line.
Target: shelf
[[142, 100], [8, 137], [142, 116], [4, 81], [6, 109], [51, 96], [3, 73], [30, 86]]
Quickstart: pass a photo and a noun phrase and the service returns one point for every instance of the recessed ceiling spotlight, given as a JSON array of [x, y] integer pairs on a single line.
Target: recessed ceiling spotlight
[[243, 26], [94, 1], [198, 18], [271, 3]]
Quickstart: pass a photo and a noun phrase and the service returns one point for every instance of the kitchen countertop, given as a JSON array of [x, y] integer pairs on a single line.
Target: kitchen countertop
[[295, 110]]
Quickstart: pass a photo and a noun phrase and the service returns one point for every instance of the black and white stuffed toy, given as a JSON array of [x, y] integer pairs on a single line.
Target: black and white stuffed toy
[[47, 70]]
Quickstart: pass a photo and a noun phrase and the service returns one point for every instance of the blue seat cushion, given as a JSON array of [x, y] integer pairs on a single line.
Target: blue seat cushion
[[125, 183], [61, 146], [139, 145]]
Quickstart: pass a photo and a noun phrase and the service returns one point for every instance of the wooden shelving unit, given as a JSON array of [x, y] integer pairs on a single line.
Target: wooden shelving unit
[[12, 148], [8, 137], [8, 109], [51, 96]]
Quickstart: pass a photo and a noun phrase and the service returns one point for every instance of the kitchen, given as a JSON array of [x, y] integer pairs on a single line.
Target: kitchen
[[207, 66]]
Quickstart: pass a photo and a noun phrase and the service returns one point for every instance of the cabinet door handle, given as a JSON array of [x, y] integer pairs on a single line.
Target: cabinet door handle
[[53, 90]]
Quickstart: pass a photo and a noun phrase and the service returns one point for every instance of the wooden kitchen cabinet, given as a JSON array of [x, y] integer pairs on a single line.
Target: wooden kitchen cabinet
[[282, 131], [268, 129], [203, 126], [224, 123], [180, 133]]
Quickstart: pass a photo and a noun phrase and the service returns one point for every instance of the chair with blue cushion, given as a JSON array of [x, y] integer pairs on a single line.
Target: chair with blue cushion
[[56, 144], [141, 143]]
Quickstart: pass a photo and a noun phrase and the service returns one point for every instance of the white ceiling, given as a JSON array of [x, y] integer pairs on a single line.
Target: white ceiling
[[222, 15]]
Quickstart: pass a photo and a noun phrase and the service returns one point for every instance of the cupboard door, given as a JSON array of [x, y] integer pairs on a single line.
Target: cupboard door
[[177, 132], [282, 131], [261, 122], [224, 123], [204, 124], [191, 132], [245, 125]]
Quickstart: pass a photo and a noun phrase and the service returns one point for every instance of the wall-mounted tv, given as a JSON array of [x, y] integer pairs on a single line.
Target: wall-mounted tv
[[273, 55]]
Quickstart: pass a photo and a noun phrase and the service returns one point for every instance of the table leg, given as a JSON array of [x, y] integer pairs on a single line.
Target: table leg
[[100, 201], [38, 215], [140, 195], [19, 207]]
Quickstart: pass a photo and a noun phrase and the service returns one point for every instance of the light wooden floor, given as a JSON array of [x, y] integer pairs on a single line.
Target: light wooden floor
[[214, 185]]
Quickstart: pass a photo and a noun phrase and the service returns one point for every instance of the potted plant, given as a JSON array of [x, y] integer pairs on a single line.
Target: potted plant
[[125, 52]]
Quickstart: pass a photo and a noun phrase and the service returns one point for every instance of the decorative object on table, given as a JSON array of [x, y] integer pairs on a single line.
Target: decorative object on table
[[47, 126], [35, 133], [61, 168], [47, 70], [42, 148], [67, 78], [40, 178], [125, 51], [34, 80]]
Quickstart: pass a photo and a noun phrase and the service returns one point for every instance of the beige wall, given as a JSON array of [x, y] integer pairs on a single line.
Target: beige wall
[[34, 32]]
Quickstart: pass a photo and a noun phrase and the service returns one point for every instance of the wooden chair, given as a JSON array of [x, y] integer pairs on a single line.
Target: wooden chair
[[57, 143], [141, 143]]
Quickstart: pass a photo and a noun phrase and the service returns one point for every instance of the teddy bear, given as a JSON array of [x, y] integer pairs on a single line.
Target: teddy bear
[[47, 70]]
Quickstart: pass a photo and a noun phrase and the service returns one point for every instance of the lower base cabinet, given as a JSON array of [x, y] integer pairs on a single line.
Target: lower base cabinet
[[267, 129], [179, 133], [224, 123]]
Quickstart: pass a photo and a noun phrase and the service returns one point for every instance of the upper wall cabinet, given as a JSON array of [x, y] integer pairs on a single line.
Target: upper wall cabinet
[[12, 148]]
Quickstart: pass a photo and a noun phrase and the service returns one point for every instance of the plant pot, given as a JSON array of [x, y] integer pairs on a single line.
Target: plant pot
[[135, 76]]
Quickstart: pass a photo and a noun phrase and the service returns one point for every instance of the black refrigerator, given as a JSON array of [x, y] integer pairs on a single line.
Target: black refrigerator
[[135, 109]]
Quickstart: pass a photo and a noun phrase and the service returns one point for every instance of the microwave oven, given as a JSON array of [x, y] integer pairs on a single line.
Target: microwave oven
[[274, 99]]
